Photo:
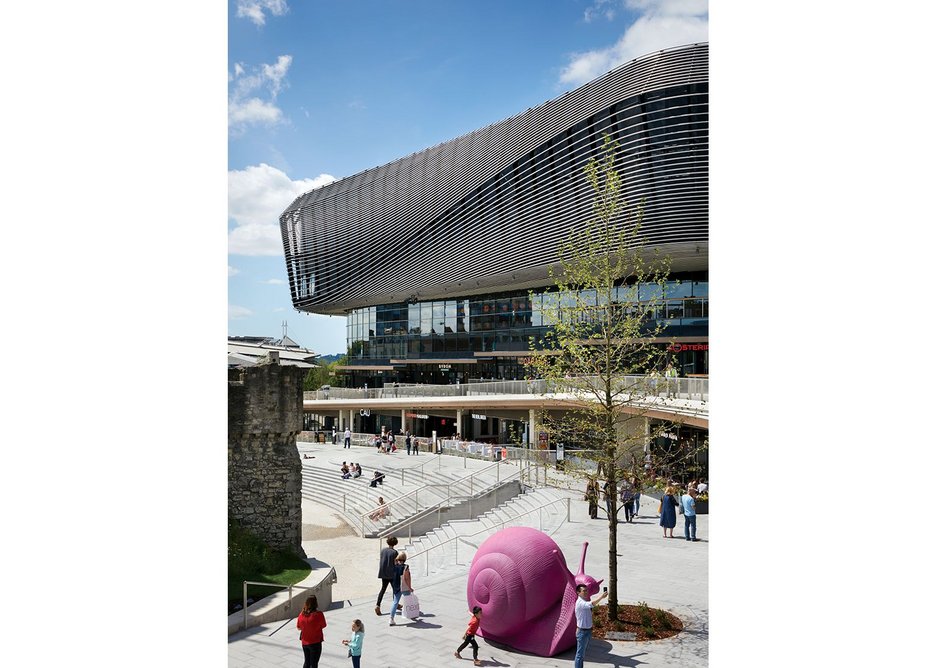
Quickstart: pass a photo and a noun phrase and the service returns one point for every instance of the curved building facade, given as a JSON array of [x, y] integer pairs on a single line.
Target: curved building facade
[[432, 256]]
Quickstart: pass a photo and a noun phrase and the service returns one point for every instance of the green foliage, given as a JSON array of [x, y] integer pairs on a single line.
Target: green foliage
[[324, 374], [249, 558], [663, 620], [644, 612]]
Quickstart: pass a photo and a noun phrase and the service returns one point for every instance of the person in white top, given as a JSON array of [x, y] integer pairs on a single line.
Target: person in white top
[[347, 437], [584, 621], [702, 487]]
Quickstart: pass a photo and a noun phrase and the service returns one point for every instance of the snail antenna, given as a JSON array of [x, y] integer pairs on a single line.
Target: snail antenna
[[582, 561]]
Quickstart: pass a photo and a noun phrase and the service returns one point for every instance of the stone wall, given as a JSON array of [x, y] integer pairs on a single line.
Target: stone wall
[[265, 409]]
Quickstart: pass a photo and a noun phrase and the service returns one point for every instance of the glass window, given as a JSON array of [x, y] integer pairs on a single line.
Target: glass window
[[649, 291], [701, 288], [450, 316], [682, 289], [674, 309], [439, 317], [426, 318]]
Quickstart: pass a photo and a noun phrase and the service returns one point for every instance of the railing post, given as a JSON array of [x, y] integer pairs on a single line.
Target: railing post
[[498, 471], [289, 605], [244, 603], [540, 517], [567, 509]]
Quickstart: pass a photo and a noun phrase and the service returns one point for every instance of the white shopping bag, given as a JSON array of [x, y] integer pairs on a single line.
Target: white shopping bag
[[411, 606]]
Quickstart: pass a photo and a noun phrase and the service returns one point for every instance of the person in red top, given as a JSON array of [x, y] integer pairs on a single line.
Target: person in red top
[[310, 624], [469, 637]]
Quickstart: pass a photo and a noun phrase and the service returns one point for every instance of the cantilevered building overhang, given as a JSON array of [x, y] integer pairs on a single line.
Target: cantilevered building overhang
[[488, 211]]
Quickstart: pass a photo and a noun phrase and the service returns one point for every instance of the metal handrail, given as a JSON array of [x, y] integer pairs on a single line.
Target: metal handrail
[[331, 578], [689, 387], [488, 529], [366, 515], [449, 498]]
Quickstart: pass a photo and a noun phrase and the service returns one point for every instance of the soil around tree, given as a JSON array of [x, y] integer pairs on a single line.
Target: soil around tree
[[644, 622]]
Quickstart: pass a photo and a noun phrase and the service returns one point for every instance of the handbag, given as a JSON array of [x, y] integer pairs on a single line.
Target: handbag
[[411, 606], [660, 506]]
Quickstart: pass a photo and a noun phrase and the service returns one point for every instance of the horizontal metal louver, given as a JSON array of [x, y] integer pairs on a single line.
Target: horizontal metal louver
[[489, 209]]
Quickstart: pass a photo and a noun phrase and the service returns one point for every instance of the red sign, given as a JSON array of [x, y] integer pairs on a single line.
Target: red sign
[[679, 347]]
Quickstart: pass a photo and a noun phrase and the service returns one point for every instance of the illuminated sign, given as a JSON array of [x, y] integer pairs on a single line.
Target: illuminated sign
[[680, 347]]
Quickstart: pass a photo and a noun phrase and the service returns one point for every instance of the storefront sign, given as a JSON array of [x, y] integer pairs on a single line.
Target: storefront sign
[[444, 367], [680, 347], [476, 416], [418, 416]]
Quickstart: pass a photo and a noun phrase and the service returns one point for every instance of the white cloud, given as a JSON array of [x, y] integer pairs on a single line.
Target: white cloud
[[254, 9], [662, 24], [238, 312], [600, 8], [274, 281], [257, 196], [254, 94], [232, 271]]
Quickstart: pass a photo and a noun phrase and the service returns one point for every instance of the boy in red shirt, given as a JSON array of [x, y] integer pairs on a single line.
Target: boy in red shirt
[[469, 637]]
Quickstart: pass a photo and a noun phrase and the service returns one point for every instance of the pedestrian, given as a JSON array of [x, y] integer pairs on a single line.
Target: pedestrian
[[702, 486], [347, 438], [584, 621], [689, 514], [409, 442], [385, 570], [671, 374], [668, 511], [310, 623], [416, 445], [468, 638], [401, 584], [637, 496], [627, 500], [592, 496], [609, 498], [354, 644]]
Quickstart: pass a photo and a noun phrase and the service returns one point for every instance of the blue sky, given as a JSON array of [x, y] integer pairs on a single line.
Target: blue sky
[[320, 90]]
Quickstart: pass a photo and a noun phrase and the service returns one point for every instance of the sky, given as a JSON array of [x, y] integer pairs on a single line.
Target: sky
[[321, 90]]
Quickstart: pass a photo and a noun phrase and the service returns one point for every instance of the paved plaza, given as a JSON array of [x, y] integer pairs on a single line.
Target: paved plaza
[[666, 573]]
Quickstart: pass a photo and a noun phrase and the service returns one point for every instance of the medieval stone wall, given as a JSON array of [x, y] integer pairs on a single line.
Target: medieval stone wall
[[265, 409]]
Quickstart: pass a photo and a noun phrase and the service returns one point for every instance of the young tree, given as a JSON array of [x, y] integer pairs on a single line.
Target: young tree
[[603, 349]]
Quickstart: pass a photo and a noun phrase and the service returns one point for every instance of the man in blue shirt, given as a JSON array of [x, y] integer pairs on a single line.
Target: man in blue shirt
[[584, 621], [689, 514]]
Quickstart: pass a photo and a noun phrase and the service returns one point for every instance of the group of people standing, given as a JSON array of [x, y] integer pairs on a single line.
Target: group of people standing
[[686, 504], [630, 496], [670, 503]]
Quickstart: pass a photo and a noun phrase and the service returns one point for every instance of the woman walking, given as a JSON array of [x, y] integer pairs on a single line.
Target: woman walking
[[668, 511], [469, 637], [354, 645], [401, 584], [310, 623]]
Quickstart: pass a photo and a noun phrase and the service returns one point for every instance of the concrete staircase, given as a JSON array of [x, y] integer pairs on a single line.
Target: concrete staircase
[[410, 491]]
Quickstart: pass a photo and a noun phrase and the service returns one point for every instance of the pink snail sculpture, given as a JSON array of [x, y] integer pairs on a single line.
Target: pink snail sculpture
[[526, 592]]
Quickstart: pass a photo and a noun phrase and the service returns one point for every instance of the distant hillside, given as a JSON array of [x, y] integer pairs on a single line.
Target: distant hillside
[[329, 359]]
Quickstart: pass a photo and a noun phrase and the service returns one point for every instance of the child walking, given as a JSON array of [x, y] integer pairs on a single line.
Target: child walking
[[469, 637], [354, 645]]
